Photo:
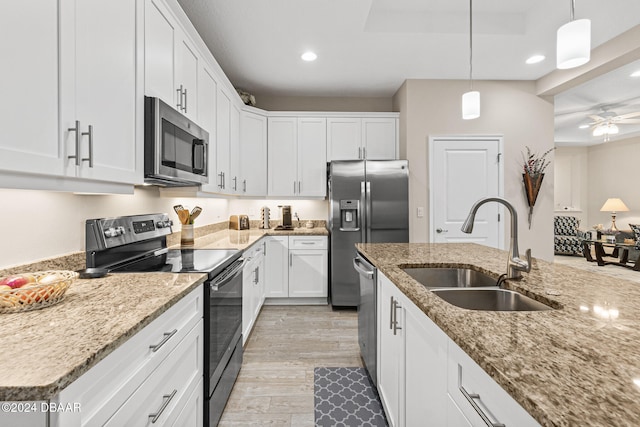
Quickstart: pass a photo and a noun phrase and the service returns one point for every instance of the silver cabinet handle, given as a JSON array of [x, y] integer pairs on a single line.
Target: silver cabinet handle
[[471, 398], [235, 183], [179, 103], [290, 260], [440, 230], [294, 187], [359, 153], [364, 153], [299, 187], [256, 277], [89, 159], [244, 185], [165, 402], [391, 313], [77, 131], [167, 337], [185, 99], [224, 181], [264, 248], [221, 185], [395, 317]]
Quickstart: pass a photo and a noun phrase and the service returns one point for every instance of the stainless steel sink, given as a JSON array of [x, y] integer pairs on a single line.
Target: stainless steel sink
[[490, 300], [450, 277]]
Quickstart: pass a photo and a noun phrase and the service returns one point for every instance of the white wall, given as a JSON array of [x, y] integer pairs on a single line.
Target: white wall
[[509, 108], [570, 183]]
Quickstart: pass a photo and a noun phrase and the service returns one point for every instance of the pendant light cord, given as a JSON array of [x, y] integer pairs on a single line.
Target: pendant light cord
[[573, 8], [471, 44]]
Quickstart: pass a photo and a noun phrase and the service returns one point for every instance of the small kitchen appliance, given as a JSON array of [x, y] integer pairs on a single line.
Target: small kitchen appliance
[[238, 222], [175, 148], [286, 218], [138, 244], [264, 216]]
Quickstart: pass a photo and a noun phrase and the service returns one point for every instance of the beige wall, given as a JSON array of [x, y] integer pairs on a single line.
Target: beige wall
[[321, 103], [571, 195], [509, 108]]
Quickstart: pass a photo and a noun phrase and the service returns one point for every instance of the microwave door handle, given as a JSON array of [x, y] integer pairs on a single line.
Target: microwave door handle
[[196, 144]]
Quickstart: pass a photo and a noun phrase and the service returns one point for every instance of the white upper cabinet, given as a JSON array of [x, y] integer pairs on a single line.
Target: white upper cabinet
[[29, 111], [207, 95], [101, 98], [235, 186], [297, 157], [359, 138], [253, 154], [171, 60]]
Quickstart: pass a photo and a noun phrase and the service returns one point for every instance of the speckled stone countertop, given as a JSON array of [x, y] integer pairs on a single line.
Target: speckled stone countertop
[[243, 239], [577, 365], [45, 350]]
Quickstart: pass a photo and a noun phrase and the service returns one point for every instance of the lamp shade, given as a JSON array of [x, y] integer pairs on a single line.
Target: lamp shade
[[471, 105], [614, 205], [573, 44]]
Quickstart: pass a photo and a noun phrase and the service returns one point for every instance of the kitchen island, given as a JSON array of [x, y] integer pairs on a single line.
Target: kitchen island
[[575, 365]]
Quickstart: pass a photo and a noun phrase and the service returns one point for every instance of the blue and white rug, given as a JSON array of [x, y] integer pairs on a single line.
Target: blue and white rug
[[345, 397]]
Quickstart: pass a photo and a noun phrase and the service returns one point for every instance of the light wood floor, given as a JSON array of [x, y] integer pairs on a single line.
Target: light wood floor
[[275, 385]]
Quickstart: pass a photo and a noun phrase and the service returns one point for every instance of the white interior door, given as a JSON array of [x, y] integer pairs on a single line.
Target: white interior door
[[462, 171]]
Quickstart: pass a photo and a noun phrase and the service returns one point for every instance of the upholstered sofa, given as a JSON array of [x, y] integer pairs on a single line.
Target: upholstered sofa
[[567, 236]]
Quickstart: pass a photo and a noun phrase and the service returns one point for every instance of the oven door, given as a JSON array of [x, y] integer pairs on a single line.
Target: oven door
[[223, 322]]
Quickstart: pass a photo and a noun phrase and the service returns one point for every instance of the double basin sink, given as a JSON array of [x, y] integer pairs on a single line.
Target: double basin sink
[[472, 290]]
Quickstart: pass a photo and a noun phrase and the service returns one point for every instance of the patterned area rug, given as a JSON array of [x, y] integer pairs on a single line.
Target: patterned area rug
[[345, 397]]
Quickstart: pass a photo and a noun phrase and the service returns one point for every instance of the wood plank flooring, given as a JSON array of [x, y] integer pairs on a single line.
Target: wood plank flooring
[[275, 385]]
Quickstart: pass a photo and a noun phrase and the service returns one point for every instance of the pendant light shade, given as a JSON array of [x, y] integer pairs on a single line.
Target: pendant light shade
[[471, 99], [574, 42], [471, 105]]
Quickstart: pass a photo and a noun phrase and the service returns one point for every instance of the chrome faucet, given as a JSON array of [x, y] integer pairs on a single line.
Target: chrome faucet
[[515, 264]]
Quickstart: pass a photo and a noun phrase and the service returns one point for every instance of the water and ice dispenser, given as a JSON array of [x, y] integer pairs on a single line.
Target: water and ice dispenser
[[349, 215]]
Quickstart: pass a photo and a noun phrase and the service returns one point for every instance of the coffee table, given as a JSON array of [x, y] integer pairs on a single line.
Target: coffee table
[[600, 245]]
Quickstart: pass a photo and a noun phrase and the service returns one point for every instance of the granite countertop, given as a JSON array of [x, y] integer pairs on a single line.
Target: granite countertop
[[243, 239], [45, 350], [577, 365]]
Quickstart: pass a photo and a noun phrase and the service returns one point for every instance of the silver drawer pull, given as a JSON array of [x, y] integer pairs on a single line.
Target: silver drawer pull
[[308, 243], [472, 400], [167, 336], [165, 402]]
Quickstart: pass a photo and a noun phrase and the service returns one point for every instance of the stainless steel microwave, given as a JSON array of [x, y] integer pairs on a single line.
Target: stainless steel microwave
[[175, 148]]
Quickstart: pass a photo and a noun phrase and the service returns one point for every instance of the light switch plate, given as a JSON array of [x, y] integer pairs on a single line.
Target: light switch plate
[[420, 212]]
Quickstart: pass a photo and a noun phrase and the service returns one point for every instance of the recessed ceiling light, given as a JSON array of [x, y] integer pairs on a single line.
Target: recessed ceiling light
[[535, 59], [635, 74], [309, 56], [583, 126]]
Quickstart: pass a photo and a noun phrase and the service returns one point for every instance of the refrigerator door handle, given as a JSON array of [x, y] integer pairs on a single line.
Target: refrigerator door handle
[[368, 212], [362, 224]]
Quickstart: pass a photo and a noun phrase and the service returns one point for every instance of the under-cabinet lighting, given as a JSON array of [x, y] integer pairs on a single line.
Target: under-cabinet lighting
[[635, 74], [535, 59]]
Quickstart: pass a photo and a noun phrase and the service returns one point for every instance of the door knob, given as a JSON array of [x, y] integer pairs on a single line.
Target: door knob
[[440, 230]]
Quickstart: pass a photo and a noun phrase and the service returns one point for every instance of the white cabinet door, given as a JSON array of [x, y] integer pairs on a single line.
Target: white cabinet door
[[312, 157], [282, 155], [390, 351], [159, 46], [344, 138], [277, 267], [248, 298], [223, 138], [235, 186], [186, 82], [425, 366], [29, 140], [191, 414], [379, 138], [99, 89], [455, 417], [207, 91], [253, 154], [308, 273]]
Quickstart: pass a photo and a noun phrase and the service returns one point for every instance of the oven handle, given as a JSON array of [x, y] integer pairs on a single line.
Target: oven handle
[[227, 275]]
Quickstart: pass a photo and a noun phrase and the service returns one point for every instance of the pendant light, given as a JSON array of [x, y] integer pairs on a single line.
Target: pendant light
[[471, 99], [574, 42]]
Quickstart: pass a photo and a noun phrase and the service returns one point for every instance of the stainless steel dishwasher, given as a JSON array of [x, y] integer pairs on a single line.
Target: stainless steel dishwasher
[[367, 314]]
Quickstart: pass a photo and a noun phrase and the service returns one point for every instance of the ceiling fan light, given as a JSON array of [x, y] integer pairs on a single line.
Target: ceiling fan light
[[471, 105], [598, 131], [612, 129], [574, 44]]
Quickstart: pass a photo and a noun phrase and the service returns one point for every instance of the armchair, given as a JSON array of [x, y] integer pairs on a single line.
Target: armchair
[[567, 237]]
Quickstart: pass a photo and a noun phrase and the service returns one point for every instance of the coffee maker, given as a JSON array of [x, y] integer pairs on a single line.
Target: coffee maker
[[286, 218]]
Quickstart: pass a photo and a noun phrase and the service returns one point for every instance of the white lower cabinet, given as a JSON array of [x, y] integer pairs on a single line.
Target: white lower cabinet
[[252, 287], [424, 378], [156, 372], [297, 269]]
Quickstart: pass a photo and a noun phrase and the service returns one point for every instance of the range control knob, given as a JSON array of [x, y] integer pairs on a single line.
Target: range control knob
[[110, 232], [120, 231]]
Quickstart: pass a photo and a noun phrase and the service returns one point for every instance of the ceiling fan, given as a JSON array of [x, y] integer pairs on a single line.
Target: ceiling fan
[[606, 123]]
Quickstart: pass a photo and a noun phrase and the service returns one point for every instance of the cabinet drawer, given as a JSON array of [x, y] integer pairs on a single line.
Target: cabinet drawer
[[162, 396], [106, 386], [477, 395], [307, 242]]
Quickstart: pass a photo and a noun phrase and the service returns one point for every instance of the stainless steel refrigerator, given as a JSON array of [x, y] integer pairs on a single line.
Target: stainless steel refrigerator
[[368, 203]]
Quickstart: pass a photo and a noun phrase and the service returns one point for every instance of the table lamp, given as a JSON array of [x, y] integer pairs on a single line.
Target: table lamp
[[613, 206]]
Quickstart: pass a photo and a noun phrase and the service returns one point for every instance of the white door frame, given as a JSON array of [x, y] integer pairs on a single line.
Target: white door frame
[[445, 138]]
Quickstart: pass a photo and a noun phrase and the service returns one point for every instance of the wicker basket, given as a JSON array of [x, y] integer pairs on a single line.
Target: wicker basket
[[37, 295]]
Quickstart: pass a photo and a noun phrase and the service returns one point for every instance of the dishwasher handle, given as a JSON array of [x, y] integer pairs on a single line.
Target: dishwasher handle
[[357, 262]]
